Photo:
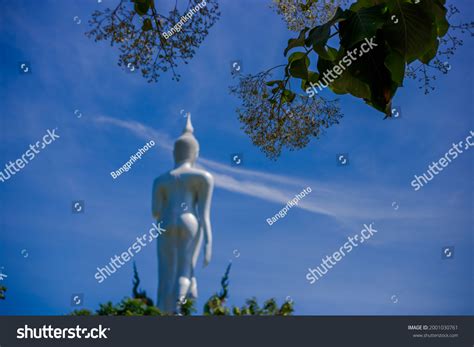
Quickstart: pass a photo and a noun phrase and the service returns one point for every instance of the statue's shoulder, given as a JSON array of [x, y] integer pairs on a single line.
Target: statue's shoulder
[[203, 175], [162, 178]]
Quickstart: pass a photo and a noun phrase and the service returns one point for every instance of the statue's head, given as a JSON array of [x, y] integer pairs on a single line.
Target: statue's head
[[186, 147]]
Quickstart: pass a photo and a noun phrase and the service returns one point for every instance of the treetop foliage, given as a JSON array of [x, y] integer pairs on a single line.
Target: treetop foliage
[[141, 305], [300, 14], [136, 27], [404, 31], [410, 38], [3, 289]]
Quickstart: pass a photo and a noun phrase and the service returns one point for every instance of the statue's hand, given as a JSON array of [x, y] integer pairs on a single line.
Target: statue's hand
[[207, 254]]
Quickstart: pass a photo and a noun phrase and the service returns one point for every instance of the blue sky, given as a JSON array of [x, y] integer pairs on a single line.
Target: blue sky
[[121, 112]]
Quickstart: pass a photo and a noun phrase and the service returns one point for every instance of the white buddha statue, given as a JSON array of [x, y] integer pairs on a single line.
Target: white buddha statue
[[181, 200]]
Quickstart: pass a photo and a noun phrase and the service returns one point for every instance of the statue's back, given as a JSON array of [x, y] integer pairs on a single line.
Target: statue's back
[[179, 192]]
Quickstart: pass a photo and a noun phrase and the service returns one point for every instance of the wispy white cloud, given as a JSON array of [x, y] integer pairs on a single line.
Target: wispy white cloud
[[335, 200], [138, 129]]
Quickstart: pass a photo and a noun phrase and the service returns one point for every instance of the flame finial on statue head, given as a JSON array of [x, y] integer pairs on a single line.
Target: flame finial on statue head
[[189, 127], [186, 147]]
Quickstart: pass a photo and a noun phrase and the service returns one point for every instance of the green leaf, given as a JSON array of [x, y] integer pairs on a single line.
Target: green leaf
[[410, 31], [370, 68], [287, 96], [426, 58], [147, 25], [141, 8], [271, 83], [275, 90], [364, 4], [361, 24], [344, 83], [396, 65], [296, 56], [326, 52], [319, 35], [298, 65], [312, 77], [437, 11], [398, 32], [298, 42], [366, 77], [332, 53]]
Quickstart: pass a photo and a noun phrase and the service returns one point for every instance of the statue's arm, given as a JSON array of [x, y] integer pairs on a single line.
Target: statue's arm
[[156, 201], [204, 208]]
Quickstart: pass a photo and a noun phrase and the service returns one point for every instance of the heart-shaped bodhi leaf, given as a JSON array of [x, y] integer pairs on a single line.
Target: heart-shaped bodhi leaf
[[298, 63]]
